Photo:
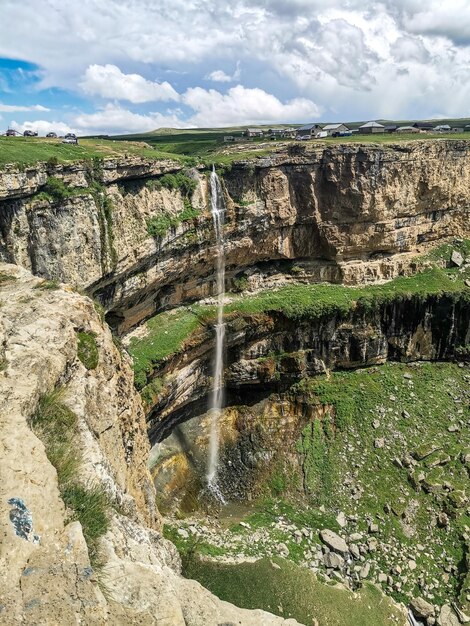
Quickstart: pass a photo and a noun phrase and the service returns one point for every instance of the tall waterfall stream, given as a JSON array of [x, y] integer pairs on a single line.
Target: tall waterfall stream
[[217, 394]]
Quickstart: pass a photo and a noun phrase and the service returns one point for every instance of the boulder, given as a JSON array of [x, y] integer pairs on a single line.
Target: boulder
[[447, 617], [421, 608], [334, 541], [456, 258], [333, 560]]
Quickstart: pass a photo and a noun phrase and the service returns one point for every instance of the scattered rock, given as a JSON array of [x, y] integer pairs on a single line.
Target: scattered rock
[[405, 414], [341, 519], [334, 541], [375, 424], [463, 617], [412, 565], [379, 443], [365, 570], [183, 533], [354, 551], [447, 617], [442, 520], [373, 528], [456, 258]]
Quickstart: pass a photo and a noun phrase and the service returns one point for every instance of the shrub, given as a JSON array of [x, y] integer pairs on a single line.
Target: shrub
[[189, 212], [87, 350], [181, 181], [49, 285], [56, 188], [159, 225], [240, 283]]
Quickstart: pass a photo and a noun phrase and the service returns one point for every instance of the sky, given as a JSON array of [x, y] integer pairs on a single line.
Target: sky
[[127, 66]]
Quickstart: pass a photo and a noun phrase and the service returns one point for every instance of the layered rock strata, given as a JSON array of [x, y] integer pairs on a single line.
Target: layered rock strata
[[406, 329], [346, 213]]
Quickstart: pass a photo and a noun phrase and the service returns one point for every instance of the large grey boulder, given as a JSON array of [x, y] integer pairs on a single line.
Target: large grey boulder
[[334, 541]]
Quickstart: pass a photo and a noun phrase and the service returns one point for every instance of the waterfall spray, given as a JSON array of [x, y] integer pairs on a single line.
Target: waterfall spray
[[217, 395]]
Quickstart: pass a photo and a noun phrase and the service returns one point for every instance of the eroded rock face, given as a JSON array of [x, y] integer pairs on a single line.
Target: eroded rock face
[[45, 572], [347, 213], [412, 328]]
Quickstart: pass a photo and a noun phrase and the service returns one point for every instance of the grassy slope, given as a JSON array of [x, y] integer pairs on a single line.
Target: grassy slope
[[29, 150], [168, 331], [293, 592], [349, 459]]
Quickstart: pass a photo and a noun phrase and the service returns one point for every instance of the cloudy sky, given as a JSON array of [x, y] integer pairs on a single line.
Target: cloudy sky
[[120, 66]]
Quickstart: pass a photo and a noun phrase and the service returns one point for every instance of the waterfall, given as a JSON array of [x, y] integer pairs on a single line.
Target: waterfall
[[217, 394]]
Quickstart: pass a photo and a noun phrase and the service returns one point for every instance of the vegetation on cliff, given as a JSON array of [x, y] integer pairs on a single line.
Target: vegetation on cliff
[[57, 426]]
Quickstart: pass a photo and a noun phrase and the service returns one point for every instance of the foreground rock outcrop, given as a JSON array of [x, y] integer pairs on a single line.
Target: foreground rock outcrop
[[45, 571]]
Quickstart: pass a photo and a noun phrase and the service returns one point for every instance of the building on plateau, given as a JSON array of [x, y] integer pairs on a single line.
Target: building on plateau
[[424, 127], [336, 130], [408, 129], [371, 128], [253, 132], [309, 131]]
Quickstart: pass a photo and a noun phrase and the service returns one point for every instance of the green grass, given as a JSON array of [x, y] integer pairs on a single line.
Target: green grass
[[47, 285], [187, 147], [164, 332], [30, 150], [57, 426], [292, 592], [87, 350]]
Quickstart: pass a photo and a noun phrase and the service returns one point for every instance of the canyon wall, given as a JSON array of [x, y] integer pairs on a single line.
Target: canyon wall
[[347, 214]]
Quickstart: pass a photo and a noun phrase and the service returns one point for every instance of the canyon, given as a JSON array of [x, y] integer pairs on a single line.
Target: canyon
[[107, 285]]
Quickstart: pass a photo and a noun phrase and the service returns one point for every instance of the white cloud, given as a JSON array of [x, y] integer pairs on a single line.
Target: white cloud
[[406, 49], [108, 81], [245, 106], [354, 58], [116, 120], [219, 76], [14, 108], [42, 127]]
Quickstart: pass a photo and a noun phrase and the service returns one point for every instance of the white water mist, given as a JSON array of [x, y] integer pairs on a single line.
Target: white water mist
[[217, 394]]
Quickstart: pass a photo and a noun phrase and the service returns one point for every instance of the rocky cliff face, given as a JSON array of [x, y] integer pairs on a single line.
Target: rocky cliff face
[[44, 560], [267, 352], [345, 214]]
